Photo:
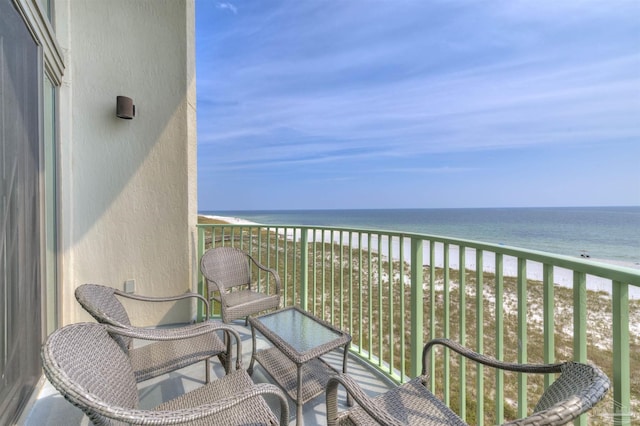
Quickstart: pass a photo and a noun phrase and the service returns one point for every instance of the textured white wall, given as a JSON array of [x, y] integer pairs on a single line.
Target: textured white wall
[[128, 187]]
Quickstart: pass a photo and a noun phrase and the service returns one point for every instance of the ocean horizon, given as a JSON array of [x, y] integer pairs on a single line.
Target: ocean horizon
[[610, 234]]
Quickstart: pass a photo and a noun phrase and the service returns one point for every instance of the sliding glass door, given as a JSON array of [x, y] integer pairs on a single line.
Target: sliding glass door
[[20, 247]]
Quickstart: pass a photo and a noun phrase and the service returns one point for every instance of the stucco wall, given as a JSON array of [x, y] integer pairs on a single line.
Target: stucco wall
[[128, 187]]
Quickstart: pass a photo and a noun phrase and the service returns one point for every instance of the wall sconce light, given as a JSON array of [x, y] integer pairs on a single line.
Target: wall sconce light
[[125, 107]]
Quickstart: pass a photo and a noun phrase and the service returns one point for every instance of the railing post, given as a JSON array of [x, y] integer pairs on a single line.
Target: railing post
[[621, 368], [417, 321], [499, 315], [432, 311], [579, 317], [200, 251], [304, 270], [522, 335], [462, 309], [447, 323], [580, 326], [480, 335], [548, 321], [403, 372]]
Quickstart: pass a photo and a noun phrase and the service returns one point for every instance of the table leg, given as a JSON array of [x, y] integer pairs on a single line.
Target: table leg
[[253, 351], [299, 397], [344, 370]]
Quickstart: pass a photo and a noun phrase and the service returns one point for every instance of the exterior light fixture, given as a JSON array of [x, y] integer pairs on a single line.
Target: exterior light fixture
[[125, 107]]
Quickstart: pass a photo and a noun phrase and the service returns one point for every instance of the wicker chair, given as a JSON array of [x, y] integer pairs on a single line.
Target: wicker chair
[[92, 372], [578, 388], [227, 273], [173, 348]]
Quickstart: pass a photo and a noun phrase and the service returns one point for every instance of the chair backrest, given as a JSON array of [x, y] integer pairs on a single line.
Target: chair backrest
[[226, 267], [578, 389], [89, 369], [103, 305]]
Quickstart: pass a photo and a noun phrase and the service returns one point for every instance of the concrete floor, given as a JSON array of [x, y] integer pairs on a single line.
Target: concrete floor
[[49, 408]]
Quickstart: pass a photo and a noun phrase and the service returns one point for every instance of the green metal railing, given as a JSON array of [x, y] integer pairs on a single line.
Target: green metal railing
[[393, 291]]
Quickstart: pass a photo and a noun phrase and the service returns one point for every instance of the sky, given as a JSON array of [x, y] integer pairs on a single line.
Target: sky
[[357, 104]]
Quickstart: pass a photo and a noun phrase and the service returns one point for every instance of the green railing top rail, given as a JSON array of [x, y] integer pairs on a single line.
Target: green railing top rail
[[613, 272]]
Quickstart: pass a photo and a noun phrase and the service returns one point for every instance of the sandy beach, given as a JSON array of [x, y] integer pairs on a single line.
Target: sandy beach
[[562, 277]]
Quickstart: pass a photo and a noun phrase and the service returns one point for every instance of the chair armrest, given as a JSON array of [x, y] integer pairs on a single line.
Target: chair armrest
[[576, 391], [190, 415], [179, 333], [375, 411], [218, 287], [578, 388], [164, 298], [487, 360], [272, 271]]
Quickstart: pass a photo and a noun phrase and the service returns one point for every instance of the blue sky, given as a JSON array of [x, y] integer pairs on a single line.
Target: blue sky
[[340, 104]]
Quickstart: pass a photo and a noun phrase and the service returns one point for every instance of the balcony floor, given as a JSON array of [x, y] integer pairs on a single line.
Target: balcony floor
[[50, 408]]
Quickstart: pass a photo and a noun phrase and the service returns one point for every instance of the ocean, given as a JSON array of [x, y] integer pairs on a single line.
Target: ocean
[[604, 233]]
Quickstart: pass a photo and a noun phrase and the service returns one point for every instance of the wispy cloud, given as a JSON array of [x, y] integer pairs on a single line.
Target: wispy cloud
[[480, 108], [431, 170], [227, 6]]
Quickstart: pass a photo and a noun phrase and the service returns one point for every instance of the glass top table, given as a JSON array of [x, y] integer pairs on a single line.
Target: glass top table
[[299, 339]]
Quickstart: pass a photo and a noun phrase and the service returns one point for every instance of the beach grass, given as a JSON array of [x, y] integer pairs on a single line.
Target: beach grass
[[205, 220]]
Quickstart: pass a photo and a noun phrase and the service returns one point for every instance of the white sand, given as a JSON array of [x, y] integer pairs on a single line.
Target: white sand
[[230, 220], [561, 276]]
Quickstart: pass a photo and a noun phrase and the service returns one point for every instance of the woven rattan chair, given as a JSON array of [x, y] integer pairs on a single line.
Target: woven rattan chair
[[92, 372], [227, 273], [578, 388], [173, 348]]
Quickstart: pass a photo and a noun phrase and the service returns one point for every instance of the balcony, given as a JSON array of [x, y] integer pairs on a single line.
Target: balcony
[[535, 307], [393, 291]]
